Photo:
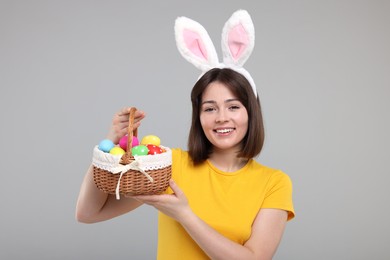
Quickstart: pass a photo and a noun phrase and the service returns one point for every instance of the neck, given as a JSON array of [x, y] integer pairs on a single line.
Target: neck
[[227, 162]]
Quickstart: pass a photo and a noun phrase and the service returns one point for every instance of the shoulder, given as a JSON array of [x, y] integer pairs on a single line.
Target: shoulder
[[278, 191], [273, 178], [178, 154], [269, 172]]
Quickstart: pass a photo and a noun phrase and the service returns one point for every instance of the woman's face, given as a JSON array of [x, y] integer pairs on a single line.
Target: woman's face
[[223, 117]]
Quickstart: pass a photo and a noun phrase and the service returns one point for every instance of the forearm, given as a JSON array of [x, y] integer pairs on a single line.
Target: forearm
[[266, 232], [91, 200], [215, 245], [94, 205]]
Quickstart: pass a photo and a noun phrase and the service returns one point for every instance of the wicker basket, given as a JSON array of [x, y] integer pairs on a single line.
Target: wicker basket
[[132, 175]]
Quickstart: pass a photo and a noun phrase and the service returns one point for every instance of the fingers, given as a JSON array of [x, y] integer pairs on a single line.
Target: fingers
[[120, 123], [176, 190], [122, 115], [126, 111], [139, 115], [173, 185], [148, 199], [121, 118]]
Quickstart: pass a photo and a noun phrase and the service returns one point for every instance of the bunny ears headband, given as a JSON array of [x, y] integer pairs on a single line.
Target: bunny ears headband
[[238, 40]]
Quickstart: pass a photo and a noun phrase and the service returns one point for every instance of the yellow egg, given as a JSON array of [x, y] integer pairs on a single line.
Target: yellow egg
[[150, 139], [117, 151]]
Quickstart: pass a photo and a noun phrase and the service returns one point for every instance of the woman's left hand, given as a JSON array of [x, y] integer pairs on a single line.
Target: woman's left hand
[[173, 205]]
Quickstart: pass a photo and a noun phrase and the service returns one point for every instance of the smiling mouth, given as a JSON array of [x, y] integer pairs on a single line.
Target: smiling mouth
[[224, 130]]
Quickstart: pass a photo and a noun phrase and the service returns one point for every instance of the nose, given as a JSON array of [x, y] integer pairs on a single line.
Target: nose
[[221, 116]]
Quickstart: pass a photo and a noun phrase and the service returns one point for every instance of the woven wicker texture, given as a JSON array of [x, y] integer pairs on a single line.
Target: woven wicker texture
[[132, 182]]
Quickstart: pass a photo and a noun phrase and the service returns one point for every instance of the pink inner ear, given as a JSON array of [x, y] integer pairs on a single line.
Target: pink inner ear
[[194, 43], [238, 41]]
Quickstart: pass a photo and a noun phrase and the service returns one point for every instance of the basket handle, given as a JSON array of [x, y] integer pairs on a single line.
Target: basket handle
[[127, 157]]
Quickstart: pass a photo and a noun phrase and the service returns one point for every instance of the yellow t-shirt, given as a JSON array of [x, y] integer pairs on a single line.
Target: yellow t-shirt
[[227, 201]]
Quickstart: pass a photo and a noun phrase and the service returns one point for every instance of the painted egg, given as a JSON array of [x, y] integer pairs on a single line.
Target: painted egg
[[139, 150], [151, 139], [106, 145], [153, 149], [123, 142], [117, 151]]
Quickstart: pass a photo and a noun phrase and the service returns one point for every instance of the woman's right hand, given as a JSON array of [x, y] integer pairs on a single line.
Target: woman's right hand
[[120, 123]]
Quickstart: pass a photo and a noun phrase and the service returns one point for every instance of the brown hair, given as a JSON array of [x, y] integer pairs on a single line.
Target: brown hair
[[199, 147]]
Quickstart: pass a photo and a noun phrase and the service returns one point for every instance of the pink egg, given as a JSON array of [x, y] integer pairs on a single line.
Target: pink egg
[[135, 141], [123, 142]]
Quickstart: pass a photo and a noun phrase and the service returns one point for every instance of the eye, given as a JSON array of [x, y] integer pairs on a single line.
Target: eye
[[208, 109], [234, 107]]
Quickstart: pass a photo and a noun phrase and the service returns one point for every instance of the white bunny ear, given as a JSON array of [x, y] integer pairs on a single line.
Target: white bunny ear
[[238, 38], [194, 44]]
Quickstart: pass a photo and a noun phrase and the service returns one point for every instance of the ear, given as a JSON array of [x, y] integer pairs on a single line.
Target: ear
[[194, 44], [238, 38]]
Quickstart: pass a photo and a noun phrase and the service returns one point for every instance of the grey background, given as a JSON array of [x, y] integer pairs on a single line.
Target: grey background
[[323, 74]]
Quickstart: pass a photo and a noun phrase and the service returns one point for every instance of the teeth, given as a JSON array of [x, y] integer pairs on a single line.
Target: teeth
[[223, 131]]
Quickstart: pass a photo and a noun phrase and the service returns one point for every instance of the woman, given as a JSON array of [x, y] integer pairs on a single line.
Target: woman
[[221, 204]]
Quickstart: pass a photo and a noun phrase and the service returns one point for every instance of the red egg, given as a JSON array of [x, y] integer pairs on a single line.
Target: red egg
[[153, 149]]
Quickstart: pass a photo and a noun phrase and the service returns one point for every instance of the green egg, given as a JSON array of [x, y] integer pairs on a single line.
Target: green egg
[[139, 150]]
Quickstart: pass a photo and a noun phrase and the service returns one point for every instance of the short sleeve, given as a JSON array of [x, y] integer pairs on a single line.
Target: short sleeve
[[279, 194]]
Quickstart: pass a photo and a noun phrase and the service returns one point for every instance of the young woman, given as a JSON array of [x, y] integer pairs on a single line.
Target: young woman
[[221, 203]]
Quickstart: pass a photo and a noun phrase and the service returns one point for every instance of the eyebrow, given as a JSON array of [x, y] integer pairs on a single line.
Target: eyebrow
[[213, 101]]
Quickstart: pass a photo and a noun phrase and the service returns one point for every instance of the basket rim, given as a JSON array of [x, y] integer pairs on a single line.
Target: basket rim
[[110, 162]]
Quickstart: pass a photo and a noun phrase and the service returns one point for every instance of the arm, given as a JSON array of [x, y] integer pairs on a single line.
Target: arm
[[267, 232], [94, 205], [267, 229]]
